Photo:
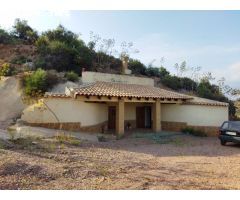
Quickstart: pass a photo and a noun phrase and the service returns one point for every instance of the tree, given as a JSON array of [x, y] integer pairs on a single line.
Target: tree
[[204, 89], [137, 67], [172, 82], [5, 37], [127, 49], [188, 84], [181, 69], [24, 32], [163, 72], [62, 50], [152, 71], [207, 77]]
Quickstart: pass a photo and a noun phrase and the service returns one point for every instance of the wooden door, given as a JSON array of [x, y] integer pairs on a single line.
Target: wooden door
[[140, 117], [111, 117], [148, 117]]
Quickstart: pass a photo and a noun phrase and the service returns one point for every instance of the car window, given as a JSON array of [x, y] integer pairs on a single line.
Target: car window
[[235, 126], [225, 125], [231, 125]]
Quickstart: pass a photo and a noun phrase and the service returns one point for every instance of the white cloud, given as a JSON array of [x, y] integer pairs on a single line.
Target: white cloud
[[234, 72], [217, 59], [40, 20]]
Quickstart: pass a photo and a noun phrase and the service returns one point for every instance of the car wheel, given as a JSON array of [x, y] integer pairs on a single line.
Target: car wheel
[[223, 142]]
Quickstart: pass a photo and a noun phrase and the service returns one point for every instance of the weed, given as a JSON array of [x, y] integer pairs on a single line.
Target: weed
[[194, 132], [11, 133], [2, 145], [51, 148], [102, 171], [178, 142], [120, 136], [67, 139], [61, 137], [75, 142], [101, 138]]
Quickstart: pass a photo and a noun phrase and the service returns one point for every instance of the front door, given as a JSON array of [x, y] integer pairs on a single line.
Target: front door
[[111, 117], [148, 117], [140, 117], [143, 117]]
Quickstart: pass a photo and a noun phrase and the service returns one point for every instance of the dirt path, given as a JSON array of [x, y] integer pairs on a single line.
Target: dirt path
[[186, 162]]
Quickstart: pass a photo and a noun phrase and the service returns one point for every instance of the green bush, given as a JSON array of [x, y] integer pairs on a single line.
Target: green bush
[[23, 32], [62, 50], [20, 60], [101, 138], [137, 67], [52, 78], [39, 82], [7, 70], [5, 37], [172, 82], [72, 76], [194, 132], [40, 62], [36, 83]]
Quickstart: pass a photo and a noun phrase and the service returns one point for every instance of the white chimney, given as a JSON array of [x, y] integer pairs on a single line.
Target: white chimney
[[125, 69]]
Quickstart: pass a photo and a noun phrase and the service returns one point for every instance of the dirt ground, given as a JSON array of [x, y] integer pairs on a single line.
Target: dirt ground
[[184, 162]]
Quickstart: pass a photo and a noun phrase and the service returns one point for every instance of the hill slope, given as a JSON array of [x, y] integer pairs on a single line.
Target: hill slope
[[10, 101]]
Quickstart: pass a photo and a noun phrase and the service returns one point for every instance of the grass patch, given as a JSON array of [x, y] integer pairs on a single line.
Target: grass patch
[[178, 142], [12, 133], [101, 138], [63, 138]]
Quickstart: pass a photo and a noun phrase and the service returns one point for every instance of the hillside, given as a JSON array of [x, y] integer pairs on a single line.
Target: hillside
[[9, 52], [10, 101], [61, 50]]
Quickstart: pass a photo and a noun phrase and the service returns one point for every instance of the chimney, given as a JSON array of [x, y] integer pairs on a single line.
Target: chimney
[[125, 69]]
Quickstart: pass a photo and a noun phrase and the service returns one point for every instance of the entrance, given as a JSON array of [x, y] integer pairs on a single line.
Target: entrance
[[111, 117], [143, 117]]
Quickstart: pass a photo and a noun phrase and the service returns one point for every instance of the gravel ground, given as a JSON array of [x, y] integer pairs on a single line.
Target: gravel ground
[[184, 162]]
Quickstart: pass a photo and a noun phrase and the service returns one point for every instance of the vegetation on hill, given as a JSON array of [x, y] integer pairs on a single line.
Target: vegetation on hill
[[64, 51]]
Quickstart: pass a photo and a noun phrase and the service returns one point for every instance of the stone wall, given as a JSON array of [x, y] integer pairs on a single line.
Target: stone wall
[[91, 77], [102, 127], [72, 126], [173, 126], [178, 126]]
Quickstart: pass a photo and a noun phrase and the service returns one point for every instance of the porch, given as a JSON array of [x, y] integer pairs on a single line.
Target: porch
[[128, 116]]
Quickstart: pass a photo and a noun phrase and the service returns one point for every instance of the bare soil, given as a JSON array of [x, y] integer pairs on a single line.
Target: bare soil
[[186, 162]]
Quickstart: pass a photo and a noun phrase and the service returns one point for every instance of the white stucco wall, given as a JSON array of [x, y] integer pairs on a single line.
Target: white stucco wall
[[90, 77], [68, 110], [130, 111], [195, 115]]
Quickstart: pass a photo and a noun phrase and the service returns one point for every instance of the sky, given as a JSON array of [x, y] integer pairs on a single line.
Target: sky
[[209, 39]]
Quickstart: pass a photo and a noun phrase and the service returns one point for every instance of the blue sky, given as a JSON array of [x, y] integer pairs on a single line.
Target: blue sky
[[210, 39]]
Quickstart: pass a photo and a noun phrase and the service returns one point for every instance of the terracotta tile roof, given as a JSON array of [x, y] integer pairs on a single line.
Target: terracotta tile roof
[[203, 101], [125, 90], [56, 95]]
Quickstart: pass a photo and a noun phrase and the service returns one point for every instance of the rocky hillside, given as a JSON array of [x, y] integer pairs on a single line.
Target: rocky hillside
[[17, 55], [10, 101]]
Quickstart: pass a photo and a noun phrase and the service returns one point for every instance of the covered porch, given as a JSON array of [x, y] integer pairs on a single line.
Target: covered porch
[[124, 116], [129, 105]]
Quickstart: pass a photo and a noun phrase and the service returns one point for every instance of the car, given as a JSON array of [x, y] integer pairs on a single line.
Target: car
[[229, 132]]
